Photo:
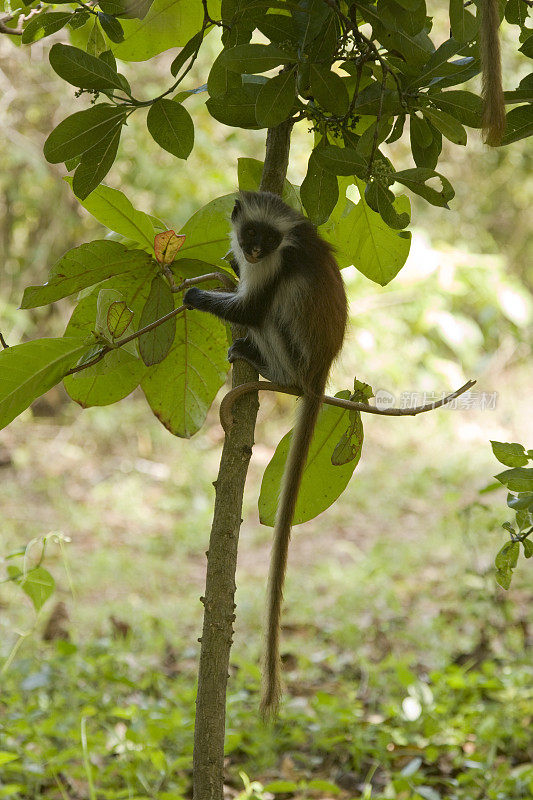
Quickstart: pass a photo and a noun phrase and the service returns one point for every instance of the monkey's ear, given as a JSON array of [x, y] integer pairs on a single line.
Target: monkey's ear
[[236, 210]]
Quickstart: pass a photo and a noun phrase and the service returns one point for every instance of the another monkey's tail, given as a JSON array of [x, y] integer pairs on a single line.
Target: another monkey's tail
[[493, 122], [292, 477]]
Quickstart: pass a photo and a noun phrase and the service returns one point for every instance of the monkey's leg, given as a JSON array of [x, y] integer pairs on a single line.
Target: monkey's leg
[[248, 351]]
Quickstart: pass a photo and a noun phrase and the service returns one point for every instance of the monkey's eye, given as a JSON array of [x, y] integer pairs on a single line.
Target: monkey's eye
[[251, 232]]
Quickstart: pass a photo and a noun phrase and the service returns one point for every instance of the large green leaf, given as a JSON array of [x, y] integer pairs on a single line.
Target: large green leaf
[[181, 388], [207, 231], [464, 106], [96, 163], [171, 126], [82, 267], [322, 483], [341, 160], [169, 23], [463, 23], [519, 122], [45, 24], [126, 8], [155, 344], [449, 126], [113, 209], [364, 240], [519, 479], [512, 454], [80, 69], [319, 191], [29, 370], [119, 372], [276, 98], [252, 58], [236, 107], [416, 180], [329, 89], [82, 131], [39, 585]]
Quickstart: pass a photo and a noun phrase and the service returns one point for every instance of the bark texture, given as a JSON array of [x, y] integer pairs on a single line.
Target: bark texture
[[219, 602]]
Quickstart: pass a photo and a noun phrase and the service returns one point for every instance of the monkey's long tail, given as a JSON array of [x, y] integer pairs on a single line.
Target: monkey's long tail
[[493, 100], [292, 477]]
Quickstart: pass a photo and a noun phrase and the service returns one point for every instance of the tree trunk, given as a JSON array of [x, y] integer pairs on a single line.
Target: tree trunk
[[219, 600]]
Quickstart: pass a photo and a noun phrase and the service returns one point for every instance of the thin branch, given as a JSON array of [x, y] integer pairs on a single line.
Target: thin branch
[[226, 419], [3, 341], [19, 30], [376, 130], [210, 276], [370, 44], [121, 342]]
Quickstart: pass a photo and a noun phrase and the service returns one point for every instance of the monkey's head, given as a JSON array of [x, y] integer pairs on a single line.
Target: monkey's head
[[260, 221]]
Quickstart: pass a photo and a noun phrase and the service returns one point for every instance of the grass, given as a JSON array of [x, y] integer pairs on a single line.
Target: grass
[[407, 669]]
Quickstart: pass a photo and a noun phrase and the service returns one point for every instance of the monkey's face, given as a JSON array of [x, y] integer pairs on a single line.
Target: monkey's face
[[258, 240]]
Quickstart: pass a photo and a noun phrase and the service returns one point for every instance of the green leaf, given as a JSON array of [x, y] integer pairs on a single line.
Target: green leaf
[[329, 89], [425, 155], [168, 23], [250, 171], [362, 239], [519, 122], [6, 758], [95, 164], [341, 160], [253, 58], [438, 64], [113, 209], [322, 483], [96, 43], [82, 131], [527, 47], [126, 8], [278, 28], [350, 445], [111, 27], [82, 267], [528, 547], [276, 99], [447, 125], [463, 24], [416, 179], [171, 126], [381, 199], [463, 106], [80, 69], [154, 345], [319, 191], [507, 558], [186, 52], [29, 370], [511, 454], [119, 372], [181, 389], [207, 232], [119, 317], [39, 585], [519, 479], [281, 787], [236, 107], [45, 24], [503, 577]]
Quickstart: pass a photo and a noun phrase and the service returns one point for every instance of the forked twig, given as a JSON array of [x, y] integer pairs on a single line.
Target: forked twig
[[226, 419]]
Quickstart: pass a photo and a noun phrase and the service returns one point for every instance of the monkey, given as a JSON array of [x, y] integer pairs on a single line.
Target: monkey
[[292, 302], [493, 121]]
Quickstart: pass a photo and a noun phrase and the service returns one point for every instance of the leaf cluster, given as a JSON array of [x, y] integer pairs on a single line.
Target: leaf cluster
[[519, 481]]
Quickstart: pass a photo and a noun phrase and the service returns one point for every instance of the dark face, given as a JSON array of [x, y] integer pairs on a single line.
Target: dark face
[[258, 240]]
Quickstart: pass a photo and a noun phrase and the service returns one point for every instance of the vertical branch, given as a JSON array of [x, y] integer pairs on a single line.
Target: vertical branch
[[219, 602]]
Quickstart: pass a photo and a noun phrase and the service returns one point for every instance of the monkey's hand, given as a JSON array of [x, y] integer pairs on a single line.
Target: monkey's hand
[[193, 298]]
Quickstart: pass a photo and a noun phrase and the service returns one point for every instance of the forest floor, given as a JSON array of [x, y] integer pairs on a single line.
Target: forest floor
[[408, 670]]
